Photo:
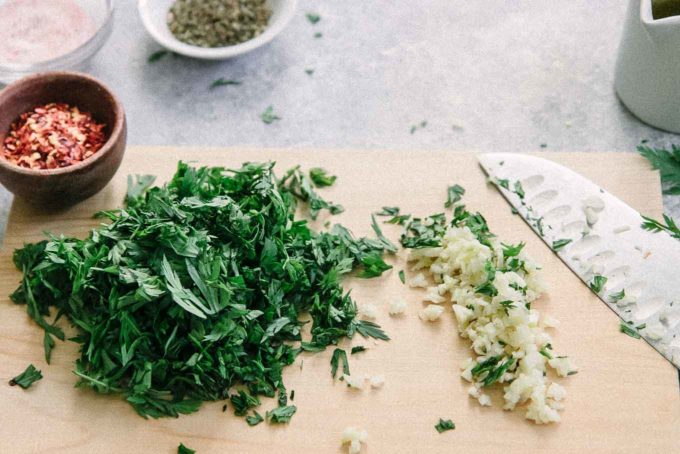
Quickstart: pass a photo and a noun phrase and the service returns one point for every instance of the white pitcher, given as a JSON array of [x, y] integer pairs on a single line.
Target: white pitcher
[[647, 76]]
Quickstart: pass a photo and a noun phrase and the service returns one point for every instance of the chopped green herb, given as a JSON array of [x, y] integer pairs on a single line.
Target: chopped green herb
[[388, 211], [386, 244], [292, 394], [198, 287], [453, 194], [309, 71], [544, 145], [181, 449], [399, 219], [544, 351], [281, 415], [27, 377], [320, 177], [222, 82], [318, 35], [444, 424], [421, 125], [618, 296], [629, 330], [655, 226], [559, 244], [339, 356], [268, 116], [504, 183], [668, 164], [159, 54], [402, 277], [255, 418], [313, 18], [598, 282], [358, 349], [519, 190], [512, 250]]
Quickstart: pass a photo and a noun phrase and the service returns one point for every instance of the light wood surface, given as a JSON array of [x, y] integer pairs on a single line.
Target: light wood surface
[[625, 397]]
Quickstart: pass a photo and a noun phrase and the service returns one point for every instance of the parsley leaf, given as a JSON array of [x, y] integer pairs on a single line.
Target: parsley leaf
[[629, 330], [255, 419], [27, 377], [444, 424], [339, 356], [222, 82], [358, 349], [655, 226], [281, 415], [598, 283], [159, 54], [402, 277], [268, 116], [502, 182], [668, 164], [313, 18], [320, 177], [453, 194], [388, 211], [618, 296], [519, 190], [181, 449], [559, 244]]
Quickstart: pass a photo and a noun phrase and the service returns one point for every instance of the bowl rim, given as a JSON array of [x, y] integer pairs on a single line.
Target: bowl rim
[[288, 9], [66, 59], [111, 141]]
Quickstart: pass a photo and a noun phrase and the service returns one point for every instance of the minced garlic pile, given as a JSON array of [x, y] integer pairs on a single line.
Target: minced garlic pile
[[492, 286]]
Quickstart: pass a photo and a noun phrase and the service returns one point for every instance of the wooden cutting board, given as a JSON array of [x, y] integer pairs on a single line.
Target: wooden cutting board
[[625, 397]]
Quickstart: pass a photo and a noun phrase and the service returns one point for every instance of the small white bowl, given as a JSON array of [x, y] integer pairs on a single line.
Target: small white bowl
[[154, 14]]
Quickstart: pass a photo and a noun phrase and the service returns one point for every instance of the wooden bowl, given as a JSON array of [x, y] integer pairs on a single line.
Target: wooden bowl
[[66, 186]]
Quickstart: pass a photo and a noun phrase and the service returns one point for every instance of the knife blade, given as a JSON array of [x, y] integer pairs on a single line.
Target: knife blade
[[601, 239]]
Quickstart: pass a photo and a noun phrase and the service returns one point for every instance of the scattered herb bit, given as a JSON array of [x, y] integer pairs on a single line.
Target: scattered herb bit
[[320, 177], [544, 145], [281, 414], [159, 54], [421, 125], [297, 183], [339, 356], [519, 190], [309, 71], [598, 282], [198, 287], [27, 377], [629, 330], [400, 219], [313, 18], [668, 164], [655, 226], [268, 116], [221, 82], [618, 296], [254, 419], [292, 394], [386, 244], [318, 35], [224, 408], [181, 449], [388, 211], [513, 210], [358, 349], [444, 424], [544, 351], [402, 277], [453, 195], [559, 244], [512, 250], [504, 183]]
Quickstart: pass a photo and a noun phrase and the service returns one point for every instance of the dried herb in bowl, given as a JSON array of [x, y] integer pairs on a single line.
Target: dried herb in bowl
[[199, 286], [218, 23]]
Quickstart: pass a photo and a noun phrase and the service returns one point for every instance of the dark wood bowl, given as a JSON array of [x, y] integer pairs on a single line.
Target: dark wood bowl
[[66, 186]]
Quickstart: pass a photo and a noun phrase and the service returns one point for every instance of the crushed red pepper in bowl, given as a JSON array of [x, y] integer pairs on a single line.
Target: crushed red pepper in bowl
[[52, 136]]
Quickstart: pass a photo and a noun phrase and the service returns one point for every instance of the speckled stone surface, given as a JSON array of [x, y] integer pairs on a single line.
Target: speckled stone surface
[[485, 75]]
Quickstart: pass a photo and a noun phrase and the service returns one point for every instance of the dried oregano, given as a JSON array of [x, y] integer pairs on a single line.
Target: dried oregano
[[216, 23]]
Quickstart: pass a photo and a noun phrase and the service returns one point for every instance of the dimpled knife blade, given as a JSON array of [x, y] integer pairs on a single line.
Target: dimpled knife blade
[[598, 236]]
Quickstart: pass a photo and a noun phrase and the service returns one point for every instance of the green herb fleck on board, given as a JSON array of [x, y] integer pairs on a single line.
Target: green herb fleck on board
[[669, 227], [254, 419], [281, 415], [402, 277], [519, 190], [159, 54], [309, 71], [318, 35], [181, 449], [559, 244], [313, 18], [358, 349], [598, 283], [388, 211], [444, 424], [27, 377], [268, 116], [503, 183], [421, 125], [320, 177], [222, 82], [453, 195], [339, 356], [618, 296]]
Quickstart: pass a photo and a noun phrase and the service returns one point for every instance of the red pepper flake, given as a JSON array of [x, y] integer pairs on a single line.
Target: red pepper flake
[[52, 136]]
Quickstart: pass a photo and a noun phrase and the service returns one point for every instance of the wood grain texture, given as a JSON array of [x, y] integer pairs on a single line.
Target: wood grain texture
[[624, 399]]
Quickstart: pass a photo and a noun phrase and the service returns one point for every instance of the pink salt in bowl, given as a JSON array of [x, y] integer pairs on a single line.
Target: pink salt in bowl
[[68, 33]]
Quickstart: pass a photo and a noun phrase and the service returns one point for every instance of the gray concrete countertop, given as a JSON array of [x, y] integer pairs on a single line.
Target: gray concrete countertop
[[485, 75]]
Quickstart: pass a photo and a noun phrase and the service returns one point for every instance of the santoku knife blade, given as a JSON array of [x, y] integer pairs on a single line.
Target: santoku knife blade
[[632, 270]]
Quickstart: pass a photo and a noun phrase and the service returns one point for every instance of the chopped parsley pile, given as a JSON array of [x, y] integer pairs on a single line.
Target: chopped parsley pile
[[200, 286]]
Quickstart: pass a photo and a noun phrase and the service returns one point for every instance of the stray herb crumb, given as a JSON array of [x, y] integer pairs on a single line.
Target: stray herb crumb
[[254, 419], [27, 377], [268, 116], [629, 330], [313, 18], [159, 54], [598, 282], [181, 449], [309, 71], [222, 82], [320, 177], [358, 349], [318, 35], [402, 277], [444, 424], [559, 244]]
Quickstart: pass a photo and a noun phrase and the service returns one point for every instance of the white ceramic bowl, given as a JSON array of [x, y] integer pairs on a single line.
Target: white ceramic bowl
[[154, 14]]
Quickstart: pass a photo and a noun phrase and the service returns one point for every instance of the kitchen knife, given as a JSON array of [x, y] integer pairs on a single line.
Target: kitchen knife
[[634, 271]]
